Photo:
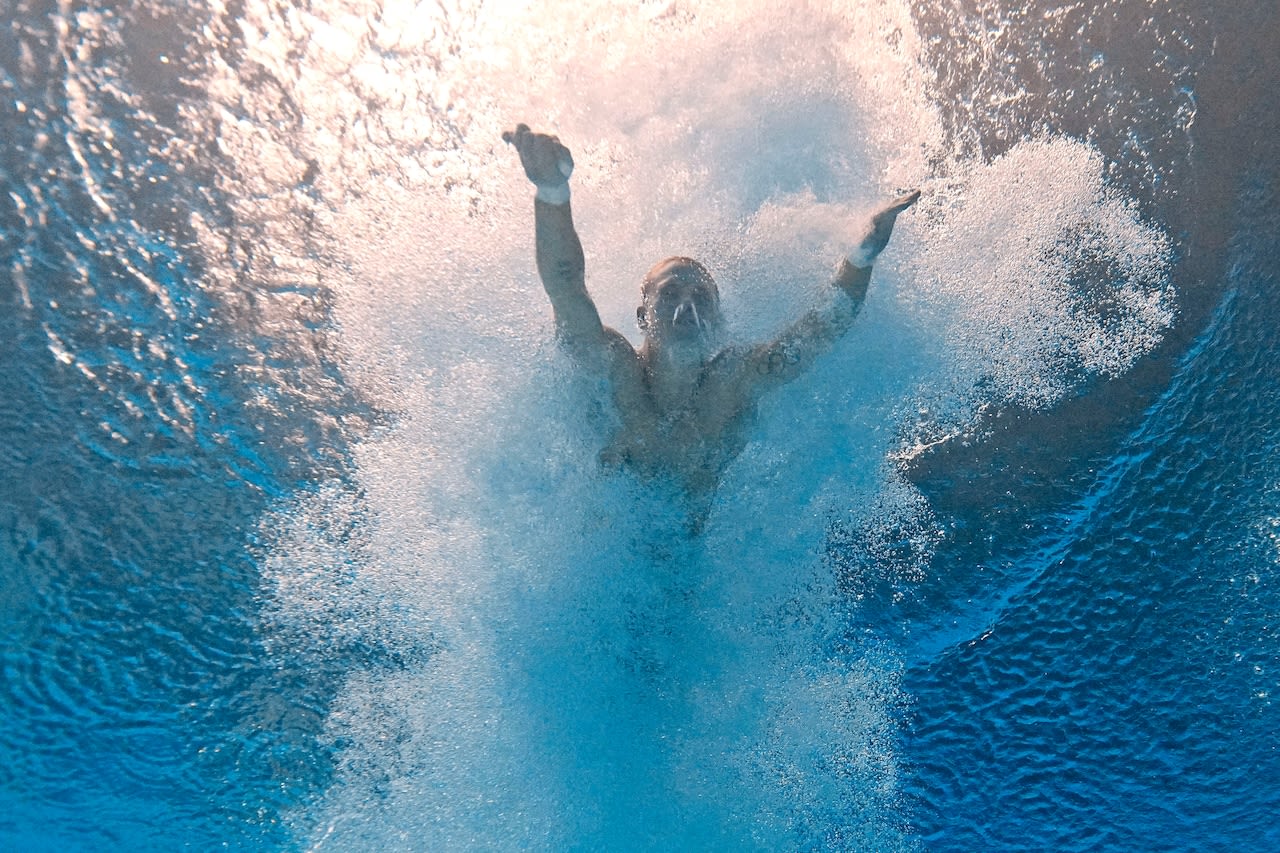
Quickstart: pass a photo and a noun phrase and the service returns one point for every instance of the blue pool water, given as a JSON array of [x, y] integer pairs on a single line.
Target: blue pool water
[[303, 543]]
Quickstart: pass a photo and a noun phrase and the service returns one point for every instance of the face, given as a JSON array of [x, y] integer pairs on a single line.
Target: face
[[681, 302]]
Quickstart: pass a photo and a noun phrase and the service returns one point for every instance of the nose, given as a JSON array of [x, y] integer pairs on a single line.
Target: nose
[[686, 314]]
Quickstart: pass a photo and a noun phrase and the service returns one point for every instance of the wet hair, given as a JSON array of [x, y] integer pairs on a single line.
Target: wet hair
[[686, 266]]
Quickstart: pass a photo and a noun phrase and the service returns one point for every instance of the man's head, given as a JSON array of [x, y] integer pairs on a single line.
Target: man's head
[[679, 303]]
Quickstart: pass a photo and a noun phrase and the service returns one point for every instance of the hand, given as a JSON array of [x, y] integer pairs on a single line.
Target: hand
[[877, 236], [547, 163]]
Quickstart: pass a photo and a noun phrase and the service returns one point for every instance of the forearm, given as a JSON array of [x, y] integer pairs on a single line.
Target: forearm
[[562, 268], [853, 280], [822, 326], [796, 349], [818, 330], [561, 264]]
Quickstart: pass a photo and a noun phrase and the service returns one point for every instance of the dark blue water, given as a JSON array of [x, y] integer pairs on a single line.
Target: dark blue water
[[1085, 652], [1121, 694], [1124, 698]]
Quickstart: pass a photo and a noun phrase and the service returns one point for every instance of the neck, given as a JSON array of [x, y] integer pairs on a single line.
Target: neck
[[674, 369]]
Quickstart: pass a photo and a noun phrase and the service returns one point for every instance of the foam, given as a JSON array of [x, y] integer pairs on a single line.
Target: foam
[[1039, 275], [555, 665]]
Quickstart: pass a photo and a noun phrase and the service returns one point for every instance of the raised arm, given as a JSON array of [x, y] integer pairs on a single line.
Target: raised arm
[[559, 251], [792, 352]]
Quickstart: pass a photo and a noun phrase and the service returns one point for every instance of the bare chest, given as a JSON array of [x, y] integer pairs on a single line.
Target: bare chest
[[691, 434]]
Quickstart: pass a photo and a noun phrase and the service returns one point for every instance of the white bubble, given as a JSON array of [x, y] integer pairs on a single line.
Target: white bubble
[[539, 646]]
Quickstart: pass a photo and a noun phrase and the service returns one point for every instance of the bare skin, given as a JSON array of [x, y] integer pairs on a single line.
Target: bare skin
[[684, 401]]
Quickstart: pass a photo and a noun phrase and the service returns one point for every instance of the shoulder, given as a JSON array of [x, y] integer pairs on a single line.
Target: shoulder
[[618, 347], [732, 369], [621, 361], [606, 346], [728, 360], [747, 371]]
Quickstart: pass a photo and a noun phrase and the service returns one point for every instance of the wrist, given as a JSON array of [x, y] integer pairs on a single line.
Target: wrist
[[557, 194]]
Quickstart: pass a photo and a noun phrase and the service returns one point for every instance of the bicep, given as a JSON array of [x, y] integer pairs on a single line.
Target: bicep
[[603, 352], [562, 269], [791, 353], [799, 346], [577, 320]]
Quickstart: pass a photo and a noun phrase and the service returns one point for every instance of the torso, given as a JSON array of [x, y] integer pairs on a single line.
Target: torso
[[689, 434]]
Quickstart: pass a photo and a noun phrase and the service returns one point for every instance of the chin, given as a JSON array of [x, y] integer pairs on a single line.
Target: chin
[[692, 341]]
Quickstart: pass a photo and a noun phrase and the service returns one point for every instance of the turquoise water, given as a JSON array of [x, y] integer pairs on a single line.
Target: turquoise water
[[304, 542]]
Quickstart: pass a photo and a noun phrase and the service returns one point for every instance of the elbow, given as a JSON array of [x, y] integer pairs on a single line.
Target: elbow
[[564, 275], [571, 269]]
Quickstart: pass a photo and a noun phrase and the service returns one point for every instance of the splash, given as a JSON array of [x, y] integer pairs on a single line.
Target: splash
[[535, 654], [1049, 275]]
